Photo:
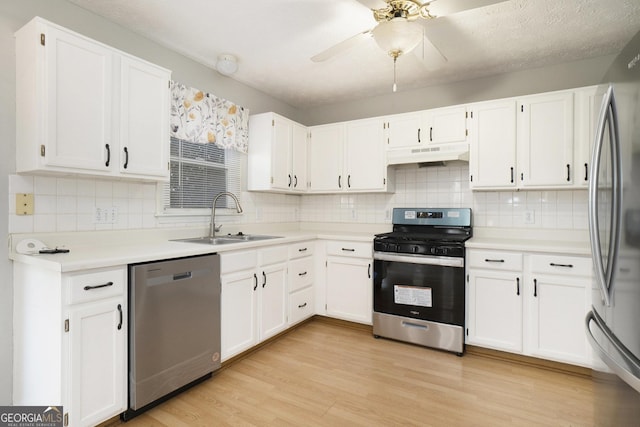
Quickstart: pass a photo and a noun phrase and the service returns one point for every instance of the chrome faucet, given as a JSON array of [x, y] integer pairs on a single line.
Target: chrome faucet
[[214, 229]]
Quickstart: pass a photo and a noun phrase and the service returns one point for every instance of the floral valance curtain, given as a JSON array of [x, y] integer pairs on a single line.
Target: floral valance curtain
[[201, 117]]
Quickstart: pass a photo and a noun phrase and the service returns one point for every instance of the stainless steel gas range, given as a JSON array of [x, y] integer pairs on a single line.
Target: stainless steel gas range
[[418, 281]]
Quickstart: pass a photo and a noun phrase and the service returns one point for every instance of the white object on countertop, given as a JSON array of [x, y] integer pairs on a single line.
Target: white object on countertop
[[30, 246]]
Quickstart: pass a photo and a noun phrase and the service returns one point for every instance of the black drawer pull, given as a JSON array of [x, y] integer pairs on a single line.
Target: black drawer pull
[[88, 287], [304, 273], [302, 249], [348, 249], [553, 264], [302, 305], [493, 260]]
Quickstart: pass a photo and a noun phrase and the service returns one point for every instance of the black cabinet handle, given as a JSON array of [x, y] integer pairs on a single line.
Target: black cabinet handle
[[348, 250], [517, 286], [568, 173], [302, 305], [522, 176], [431, 133], [493, 260], [348, 181], [586, 172], [512, 175], [120, 312], [553, 264], [339, 181], [295, 181], [264, 279], [369, 271], [108, 155], [289, 180], [126, 157], [302, 250], [304, 273], [419, 135], [256, 281], [535, 287], [104, 285]]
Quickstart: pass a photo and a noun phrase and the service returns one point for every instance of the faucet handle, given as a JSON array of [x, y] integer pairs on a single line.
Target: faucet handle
[[216, 229]]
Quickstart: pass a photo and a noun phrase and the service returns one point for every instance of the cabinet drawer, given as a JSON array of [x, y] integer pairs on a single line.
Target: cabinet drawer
[[350, 249], [93, 285], [300, 305], [273, 255], [298, 250], [300, 273], [561, 264], [237, 261], [495, 260]]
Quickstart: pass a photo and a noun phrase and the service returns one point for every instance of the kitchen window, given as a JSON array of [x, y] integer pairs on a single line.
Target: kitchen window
[[199, 172]]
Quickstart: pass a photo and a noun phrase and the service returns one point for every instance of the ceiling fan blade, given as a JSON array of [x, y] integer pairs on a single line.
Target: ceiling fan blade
[[430, 55], [374, 4], [449, 7], [341, 47]]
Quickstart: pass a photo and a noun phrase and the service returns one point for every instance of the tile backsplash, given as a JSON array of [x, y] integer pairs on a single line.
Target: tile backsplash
[[69, 203]]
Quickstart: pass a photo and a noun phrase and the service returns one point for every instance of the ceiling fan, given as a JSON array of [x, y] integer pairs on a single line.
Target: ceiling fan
[[402, 27]]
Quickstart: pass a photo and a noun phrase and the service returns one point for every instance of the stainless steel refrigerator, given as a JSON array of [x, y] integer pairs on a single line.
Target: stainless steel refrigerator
[[613, 325]]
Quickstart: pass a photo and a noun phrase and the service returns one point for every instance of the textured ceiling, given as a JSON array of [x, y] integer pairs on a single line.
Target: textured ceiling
[[275, 39]]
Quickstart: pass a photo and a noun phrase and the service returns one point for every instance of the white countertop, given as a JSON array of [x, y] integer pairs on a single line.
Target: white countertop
[[113, 248], [569, 242]]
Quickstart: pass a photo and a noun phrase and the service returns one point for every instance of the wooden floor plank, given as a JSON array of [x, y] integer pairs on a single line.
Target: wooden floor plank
[[323, 374]]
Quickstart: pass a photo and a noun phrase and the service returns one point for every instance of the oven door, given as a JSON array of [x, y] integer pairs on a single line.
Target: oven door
[[419, 287]]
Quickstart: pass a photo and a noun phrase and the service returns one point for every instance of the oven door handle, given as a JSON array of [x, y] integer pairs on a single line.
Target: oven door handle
[[420, 259]]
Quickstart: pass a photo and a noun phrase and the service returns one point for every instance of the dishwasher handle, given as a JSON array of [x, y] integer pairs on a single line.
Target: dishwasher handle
[[182, 276]]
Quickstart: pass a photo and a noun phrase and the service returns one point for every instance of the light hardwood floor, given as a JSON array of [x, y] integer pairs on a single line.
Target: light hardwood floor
[[324, 374]]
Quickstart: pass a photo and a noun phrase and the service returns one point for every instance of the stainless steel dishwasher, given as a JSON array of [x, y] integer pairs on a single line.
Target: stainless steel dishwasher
[[174, 327]]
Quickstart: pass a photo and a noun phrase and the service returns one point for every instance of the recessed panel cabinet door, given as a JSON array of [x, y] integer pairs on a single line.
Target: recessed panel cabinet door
[[495, 310], [299, 158], [97, 362], [144, 118], [273, 304], [78, 88], [365, 155], [493, 145], [281, 153], [349, 289], [325, 160], [238, 312]]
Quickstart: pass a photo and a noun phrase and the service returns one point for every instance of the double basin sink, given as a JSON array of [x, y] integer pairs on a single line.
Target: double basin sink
[[229, 238]]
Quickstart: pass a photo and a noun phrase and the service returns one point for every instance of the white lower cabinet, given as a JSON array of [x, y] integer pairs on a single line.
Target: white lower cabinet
[[534, 304], [301, 280], [349, 283], [80, 319], [254, 297]]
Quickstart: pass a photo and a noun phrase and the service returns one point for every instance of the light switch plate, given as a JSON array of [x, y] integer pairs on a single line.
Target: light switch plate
[[24, 204]]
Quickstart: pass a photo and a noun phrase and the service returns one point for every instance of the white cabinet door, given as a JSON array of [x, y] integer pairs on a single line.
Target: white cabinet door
[[587, 106], [445, 125], [273, 300], [97, 360], [281, 153], [366, 169], [545, 140], [78, 115], [144, 118], [239, 312], [325, 161], [349, 289], [404, 130], [299, 158], [492, 159], [558, 306], [495, 309]]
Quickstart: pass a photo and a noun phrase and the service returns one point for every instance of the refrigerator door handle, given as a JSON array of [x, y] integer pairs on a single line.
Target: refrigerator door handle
[[629, 373], [608, 113]]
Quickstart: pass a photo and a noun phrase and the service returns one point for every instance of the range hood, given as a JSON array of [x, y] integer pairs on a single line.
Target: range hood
[[429, 154]]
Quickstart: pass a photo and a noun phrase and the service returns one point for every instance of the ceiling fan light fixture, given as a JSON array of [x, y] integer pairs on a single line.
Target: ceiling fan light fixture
[[227, 64], [397, 35]]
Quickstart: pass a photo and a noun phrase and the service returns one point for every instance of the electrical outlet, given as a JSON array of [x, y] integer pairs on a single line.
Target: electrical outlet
[[529, 217]]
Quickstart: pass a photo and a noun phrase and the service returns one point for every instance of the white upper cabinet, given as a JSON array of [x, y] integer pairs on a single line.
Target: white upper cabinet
[[277, 154], [348, 156], [80, 104], [492, 156], [524, 142], [545, 140], [445, 125], [587, 106], [404, 130], [144, 122]]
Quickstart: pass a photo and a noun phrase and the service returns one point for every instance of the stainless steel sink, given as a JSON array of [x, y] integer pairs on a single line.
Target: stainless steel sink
[[230, 238]]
